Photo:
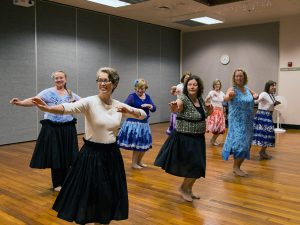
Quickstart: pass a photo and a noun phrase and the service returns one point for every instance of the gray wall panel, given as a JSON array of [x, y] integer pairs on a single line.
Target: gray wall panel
[[56, 44], [254, 48], [17, 74], [149, 63], [92, 51], [123, 53], [170, 68]]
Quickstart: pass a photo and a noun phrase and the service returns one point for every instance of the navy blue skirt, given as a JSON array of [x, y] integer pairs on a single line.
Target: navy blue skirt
[[183, 155], [95, 189], [56, 146]]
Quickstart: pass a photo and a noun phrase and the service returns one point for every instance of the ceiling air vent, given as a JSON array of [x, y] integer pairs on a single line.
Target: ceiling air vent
[[216, 2], [190, 23], [134, 1]]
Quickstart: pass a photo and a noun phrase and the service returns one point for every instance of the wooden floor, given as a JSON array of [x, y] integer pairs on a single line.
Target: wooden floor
[[269, 195]]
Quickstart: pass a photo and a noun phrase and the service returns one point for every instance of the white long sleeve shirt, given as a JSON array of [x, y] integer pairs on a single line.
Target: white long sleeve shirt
[[101, 121], [265, 102], [216, 98]]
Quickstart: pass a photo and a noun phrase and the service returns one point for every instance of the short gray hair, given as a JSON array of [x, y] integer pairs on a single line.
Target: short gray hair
[[112, 73]]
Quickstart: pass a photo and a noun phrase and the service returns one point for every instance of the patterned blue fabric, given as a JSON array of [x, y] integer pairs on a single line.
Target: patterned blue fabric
[[240, 129], [135, 136], [51, 97], [263, 134]]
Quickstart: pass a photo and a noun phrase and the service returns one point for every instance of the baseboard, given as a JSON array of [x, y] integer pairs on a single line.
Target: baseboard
[[289, 126]]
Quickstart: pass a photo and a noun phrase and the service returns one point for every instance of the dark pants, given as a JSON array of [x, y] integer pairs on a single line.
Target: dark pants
[[58, 177]]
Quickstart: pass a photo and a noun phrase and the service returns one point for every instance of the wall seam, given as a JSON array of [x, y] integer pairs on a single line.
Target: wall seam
[[36, 77]]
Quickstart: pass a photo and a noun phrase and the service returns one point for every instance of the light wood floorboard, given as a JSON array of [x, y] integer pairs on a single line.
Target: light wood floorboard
[[269, 195]]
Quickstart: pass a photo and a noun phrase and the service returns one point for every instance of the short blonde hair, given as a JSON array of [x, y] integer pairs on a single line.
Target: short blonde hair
[[140, 83], [215, 83]]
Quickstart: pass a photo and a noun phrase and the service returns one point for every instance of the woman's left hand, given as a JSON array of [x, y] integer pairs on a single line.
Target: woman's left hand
[[40, 104], [149, 106], [255, 96], [123, 109], [209, 108]]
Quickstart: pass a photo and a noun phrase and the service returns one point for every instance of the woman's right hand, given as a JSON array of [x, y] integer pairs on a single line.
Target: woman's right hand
[[15, 101], [232, 94], [174, 106], [173, 90]]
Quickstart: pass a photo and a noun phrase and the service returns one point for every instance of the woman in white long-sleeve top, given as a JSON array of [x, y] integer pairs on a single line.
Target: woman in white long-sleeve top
[[263, 127], [95, 189], [215, 123]]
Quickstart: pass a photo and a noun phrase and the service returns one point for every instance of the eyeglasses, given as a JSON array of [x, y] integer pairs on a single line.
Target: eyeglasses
[[103, 81]]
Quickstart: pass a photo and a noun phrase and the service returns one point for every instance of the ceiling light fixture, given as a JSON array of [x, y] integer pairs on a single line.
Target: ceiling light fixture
[[111, 3], [206, 20]]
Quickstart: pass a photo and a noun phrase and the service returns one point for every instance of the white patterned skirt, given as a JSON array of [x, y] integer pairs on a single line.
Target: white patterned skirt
[[263, 129]]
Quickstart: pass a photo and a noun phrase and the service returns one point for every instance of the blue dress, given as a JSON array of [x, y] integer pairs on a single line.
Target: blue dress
[[240, 125], [136, 134]]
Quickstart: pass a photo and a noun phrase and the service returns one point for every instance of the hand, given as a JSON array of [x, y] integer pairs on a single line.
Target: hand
[[209, 108], [40, 104], [277, 103], [174, 106], [255, 96], [123, 109], [15, 101], [208, 105], [149, 106], [173, 90], [232, 94], [208, 100]]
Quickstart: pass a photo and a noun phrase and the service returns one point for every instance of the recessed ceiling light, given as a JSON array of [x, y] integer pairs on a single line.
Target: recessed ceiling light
[[112, 3], [206, 20]]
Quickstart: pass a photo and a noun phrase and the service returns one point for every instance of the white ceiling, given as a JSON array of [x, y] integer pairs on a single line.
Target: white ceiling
[[167, 12]]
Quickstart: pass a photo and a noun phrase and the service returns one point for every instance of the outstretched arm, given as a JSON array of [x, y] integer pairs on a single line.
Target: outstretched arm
[[56, 109], [176, 106], [131, 111], [25, 103], [254, 95], [229, 94], [173, 90]]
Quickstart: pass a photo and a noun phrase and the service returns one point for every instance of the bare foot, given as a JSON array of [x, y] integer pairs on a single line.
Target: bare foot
[[143, 165], [185, 195], [194, 196], [239, 172], [244, 172], [57, 188], [214, 143], [264, 156], [136, 166]]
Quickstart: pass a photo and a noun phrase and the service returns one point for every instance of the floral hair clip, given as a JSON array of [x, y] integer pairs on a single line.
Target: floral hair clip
[[135, 82]]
